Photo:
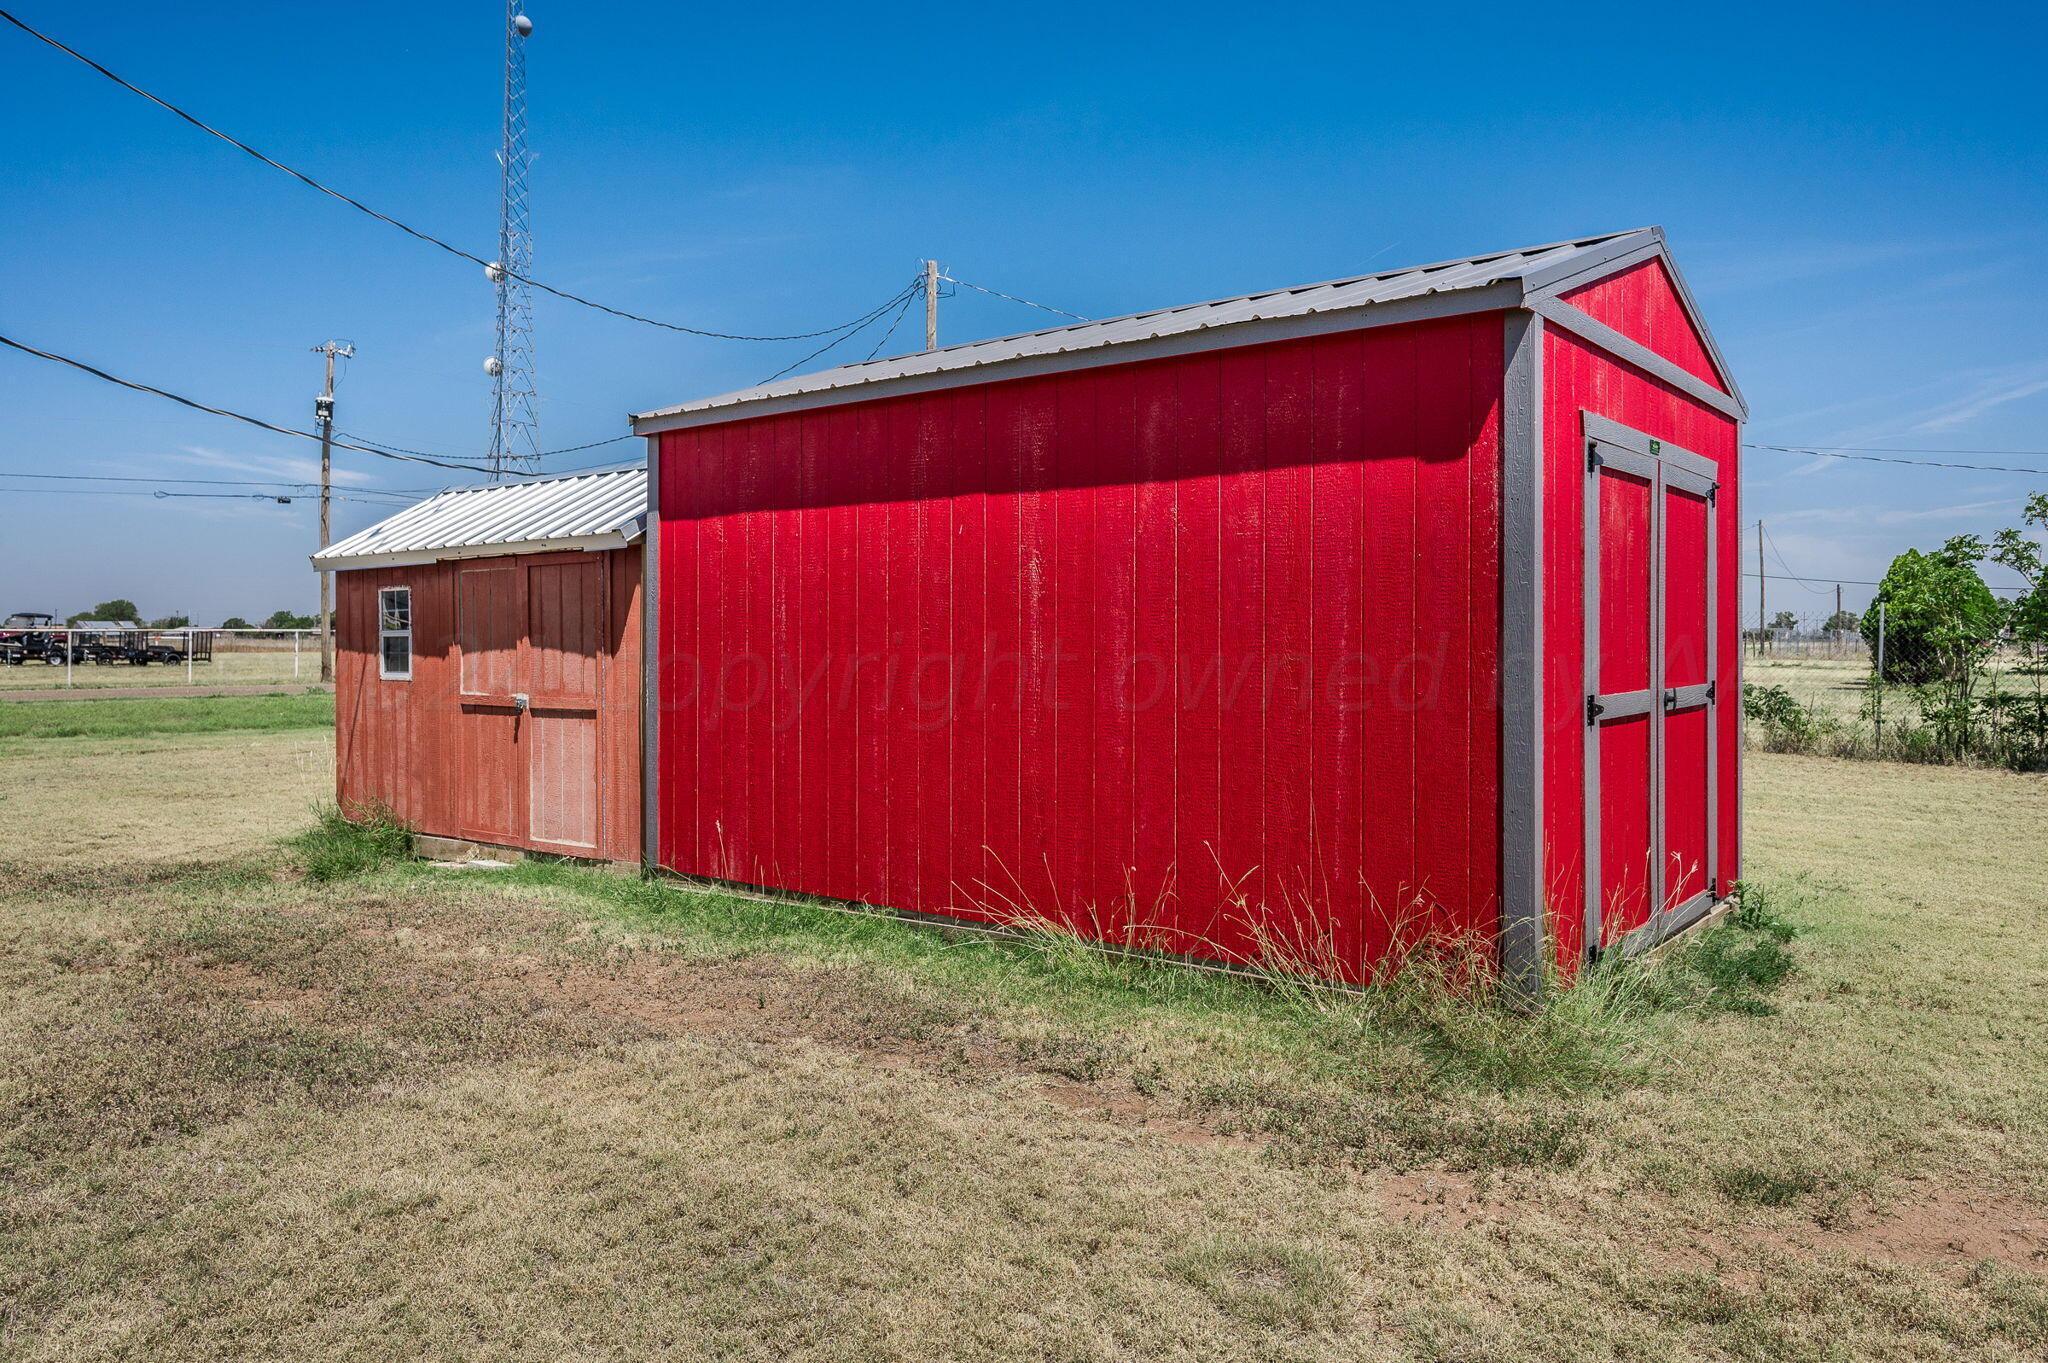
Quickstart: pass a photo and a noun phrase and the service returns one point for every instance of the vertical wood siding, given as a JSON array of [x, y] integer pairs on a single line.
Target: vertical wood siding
[[411, 747], [1642, 305], [1189, 653], [1577, 377]]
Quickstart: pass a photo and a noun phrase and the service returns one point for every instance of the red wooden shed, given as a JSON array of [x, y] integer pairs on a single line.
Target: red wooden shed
[[1308, 619], [487, 678]]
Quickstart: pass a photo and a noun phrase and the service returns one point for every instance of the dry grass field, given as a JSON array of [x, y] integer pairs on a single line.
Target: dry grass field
[[312, 1102]]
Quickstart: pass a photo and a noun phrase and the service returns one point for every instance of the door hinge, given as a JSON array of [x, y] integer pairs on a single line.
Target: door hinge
[[1670, 697], [1594, 709], [1593, 459]]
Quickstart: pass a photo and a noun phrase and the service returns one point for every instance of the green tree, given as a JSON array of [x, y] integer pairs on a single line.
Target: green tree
[[120, 608], [2028, 617], [170, 622], [1940, 621], [1841, 622], [286, 620], [236, 622], [1784, 622]]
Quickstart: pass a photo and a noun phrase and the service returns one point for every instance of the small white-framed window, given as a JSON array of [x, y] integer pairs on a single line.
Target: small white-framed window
[[394, 633]]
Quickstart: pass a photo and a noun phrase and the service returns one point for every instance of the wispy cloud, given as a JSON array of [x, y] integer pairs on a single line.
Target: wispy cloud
[[1995, 392], [1889, 516], [283, 467]]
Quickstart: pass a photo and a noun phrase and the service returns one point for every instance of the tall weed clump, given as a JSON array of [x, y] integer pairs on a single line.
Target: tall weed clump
[[337, 847]]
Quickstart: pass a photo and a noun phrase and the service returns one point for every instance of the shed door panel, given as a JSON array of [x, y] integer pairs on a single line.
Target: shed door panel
[[487, 622], [1625, 729], [1687, 774], [565, 607], [531, 637], [1650, 682], [490, 798]]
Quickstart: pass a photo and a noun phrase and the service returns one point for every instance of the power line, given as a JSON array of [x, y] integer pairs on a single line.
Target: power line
[[544, 454], [204, 482], [1910, 449], [897, 322], [1841, 453], [198, 406], [161, 495], [998, 293], [1779, 554], [498, 267], [910, 291]]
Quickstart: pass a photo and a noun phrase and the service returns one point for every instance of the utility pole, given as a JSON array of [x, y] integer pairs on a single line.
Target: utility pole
[[931, 305], [1762, 623], [323, 408]]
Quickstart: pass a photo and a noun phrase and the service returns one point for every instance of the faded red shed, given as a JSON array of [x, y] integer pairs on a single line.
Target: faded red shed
[[1278, 621], [487, 669]]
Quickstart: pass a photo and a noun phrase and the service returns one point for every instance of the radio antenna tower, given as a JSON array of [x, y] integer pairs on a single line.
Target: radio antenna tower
[[515, 436]]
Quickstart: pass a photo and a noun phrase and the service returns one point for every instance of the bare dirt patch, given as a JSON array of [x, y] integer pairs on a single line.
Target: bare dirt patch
[[1925, 1224]]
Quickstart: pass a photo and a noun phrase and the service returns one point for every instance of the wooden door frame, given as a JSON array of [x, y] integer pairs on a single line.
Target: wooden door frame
[[1667, 468], [596, 707], [494, 701], [522, 565]]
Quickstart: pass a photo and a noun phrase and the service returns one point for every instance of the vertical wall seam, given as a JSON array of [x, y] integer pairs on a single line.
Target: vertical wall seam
[[1521, 655]]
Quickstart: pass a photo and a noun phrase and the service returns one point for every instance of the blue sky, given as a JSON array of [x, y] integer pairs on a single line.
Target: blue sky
[[1859, 196]]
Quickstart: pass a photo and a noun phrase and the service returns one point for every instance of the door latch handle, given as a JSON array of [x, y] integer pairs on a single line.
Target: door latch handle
[[519, 702], [1671, 698]]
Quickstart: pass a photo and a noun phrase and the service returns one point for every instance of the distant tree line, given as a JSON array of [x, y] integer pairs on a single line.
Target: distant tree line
[[121, 608]]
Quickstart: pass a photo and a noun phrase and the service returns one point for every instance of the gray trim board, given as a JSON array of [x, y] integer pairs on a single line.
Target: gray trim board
[[1665, 926], [1735, 612], [1454, 303], [1631, 352], [1610, 432], [1523, 933], [1685, 480], [1624, 704], [1612, 258], [1699, 324], [1618, 255], [1631, 462], [650, 663], [1713, 697], [1686, 697], [1589, 684]]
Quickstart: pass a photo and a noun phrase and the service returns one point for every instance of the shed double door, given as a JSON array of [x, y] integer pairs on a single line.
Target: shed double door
[[1651, 693], [530, 632]]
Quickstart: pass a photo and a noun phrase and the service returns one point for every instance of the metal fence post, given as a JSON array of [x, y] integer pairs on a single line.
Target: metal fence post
[[1879, 736], [295, 653], [70, 641]]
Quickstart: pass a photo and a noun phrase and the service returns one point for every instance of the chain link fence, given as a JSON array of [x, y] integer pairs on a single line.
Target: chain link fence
[[57, 659], [1863, 688]]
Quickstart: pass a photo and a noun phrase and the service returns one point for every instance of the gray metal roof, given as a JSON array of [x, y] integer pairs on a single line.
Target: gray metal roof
[[600, 509], [1497, 280]]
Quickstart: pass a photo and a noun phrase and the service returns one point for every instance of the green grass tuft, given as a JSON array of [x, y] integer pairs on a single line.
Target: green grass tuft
[[1735, 964], [339, 848]]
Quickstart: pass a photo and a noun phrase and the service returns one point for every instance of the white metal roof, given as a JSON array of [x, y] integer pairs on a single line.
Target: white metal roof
[[1503, 279], [602, 509]]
